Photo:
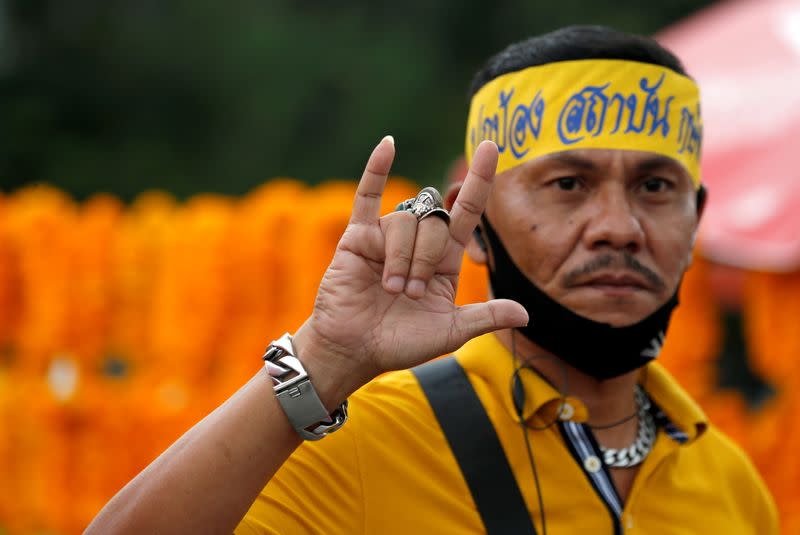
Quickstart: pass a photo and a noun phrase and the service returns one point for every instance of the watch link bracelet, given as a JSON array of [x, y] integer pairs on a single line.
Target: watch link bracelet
[[296, 394]]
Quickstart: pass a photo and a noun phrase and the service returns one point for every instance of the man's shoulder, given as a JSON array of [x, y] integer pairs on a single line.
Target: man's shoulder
[[721, 459], [396, 386], [397, 395], [718, 449], [400, 385]]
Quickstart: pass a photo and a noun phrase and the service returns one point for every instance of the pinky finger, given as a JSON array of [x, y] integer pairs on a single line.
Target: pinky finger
[[367, 204]]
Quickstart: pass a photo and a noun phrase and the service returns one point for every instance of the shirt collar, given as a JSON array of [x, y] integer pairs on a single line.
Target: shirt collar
[[676, 404], [489, 359]]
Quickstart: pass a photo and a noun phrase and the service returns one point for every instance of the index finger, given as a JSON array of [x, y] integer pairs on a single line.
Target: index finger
[[367, 204], [471, 200]]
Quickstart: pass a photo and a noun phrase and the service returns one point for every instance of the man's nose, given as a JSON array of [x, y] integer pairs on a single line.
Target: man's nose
[[613, 222]]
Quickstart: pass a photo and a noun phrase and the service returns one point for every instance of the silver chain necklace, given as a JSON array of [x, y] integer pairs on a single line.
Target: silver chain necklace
[[637, 452]]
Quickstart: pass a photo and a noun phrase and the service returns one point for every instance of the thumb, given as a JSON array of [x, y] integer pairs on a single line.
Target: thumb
[[481, 318]]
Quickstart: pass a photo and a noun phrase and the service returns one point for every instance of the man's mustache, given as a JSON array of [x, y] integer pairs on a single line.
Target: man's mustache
[[622, 261]]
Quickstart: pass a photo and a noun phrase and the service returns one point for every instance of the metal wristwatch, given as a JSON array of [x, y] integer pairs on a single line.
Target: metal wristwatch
[[296, 394]]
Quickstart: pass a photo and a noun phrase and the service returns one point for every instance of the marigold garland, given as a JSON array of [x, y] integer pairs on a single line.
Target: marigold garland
[[121, 326], [772, 320], [695, 334]]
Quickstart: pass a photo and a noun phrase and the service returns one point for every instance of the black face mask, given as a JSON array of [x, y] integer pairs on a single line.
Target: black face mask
[[596, 349]]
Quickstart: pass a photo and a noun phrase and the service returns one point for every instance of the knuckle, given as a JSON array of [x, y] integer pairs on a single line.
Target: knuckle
[[425, 261], [433, 223], [400, 258], [469, 206], [491, 318], [434, 231], [424, 264], [401, 219], [407, 218], [370, 195], [485, 176], [377, 167]]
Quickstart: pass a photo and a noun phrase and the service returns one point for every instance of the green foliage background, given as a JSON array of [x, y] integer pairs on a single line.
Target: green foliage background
[[186, 96]]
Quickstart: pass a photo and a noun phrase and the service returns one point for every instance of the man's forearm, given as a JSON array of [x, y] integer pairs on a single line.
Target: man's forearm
[[366, 321], [206, 481]]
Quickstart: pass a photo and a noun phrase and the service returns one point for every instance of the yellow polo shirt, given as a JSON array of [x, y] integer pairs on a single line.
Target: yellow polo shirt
[[390, 471]]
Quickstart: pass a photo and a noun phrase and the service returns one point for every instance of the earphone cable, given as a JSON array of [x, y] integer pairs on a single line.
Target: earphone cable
[[525, 426], [535, 478], [626, 418], [519, 366], [529, 448]]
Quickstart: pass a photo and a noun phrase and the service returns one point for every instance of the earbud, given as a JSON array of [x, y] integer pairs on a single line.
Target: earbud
[[518, 394], [701, 198], [478, 235]]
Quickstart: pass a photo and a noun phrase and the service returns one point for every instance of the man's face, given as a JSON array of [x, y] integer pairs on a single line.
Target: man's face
[[606, 233]]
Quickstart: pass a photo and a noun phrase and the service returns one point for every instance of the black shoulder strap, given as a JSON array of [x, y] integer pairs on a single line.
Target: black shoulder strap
[[475, 446]]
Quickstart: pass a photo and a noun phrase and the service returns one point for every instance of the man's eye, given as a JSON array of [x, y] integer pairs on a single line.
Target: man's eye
[[655, 185], [568, 183]]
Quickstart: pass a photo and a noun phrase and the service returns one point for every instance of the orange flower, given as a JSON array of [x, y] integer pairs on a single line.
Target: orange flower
[[772, 309], [695, 334], [183, 298], [40, 225]]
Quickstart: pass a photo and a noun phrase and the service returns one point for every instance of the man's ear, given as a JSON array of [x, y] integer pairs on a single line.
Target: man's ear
[[700, 203], [476, 246], [451, 194], [700, 206], [454, 179]]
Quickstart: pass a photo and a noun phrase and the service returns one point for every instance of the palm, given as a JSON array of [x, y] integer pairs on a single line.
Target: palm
[[392, 326], [386, 329]]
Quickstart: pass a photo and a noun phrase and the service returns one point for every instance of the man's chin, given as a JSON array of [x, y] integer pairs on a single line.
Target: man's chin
[[617, 311]]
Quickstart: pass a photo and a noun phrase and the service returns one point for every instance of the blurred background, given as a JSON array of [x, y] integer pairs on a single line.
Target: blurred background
[[153, 154], [122, 96]]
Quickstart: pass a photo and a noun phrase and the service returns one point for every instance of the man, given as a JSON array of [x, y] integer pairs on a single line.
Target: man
[[589, 228]]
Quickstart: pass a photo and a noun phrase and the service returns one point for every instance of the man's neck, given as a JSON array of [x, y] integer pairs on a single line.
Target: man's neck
[[607, 401]]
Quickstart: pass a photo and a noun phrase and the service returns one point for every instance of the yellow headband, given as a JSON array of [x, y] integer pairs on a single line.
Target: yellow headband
[[588, 104]]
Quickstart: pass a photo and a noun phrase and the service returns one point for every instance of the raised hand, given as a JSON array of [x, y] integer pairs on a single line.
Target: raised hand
[[386, 301], [370, 316]]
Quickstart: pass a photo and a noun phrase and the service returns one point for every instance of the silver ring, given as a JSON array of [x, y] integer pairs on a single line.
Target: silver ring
[[428, 202]]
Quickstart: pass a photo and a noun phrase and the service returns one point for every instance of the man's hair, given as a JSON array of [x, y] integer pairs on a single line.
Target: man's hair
[[573, 43]]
